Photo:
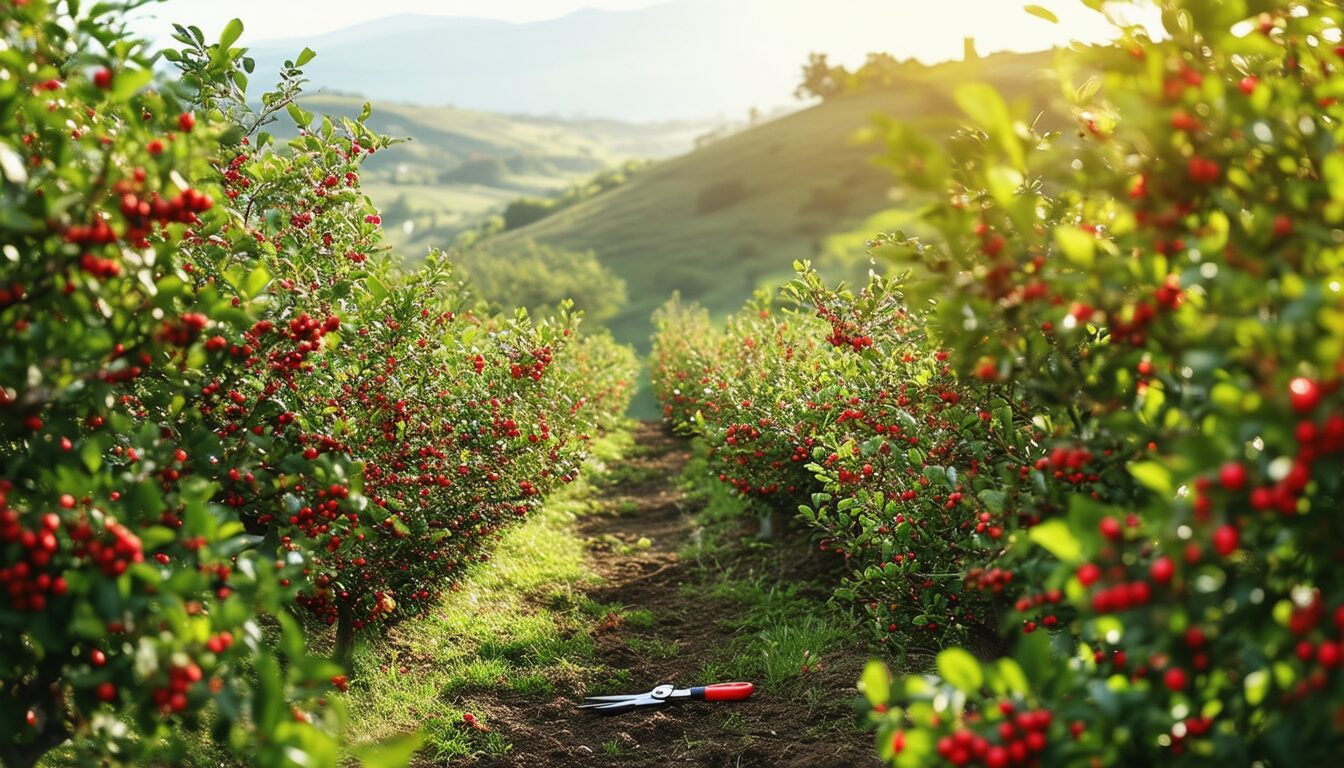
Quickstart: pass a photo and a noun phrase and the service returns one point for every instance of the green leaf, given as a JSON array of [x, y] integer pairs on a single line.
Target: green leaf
[[390, 753], [269, 708], [232, 31], [1257, 687], [305, 56], [993, 499], [129, 81], [983, 104], [256, 280], [1014, 679], [1034, 655], [300, 118], [876, 683], [91, 451], [1003, 183], [1036, 10], [958, 667], [1333, 169], [1079, 247], [1087, 90], [1056, 538], [1153, 476]]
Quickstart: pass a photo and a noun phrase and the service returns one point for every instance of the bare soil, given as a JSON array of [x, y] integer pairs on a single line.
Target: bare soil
[[809, 723]]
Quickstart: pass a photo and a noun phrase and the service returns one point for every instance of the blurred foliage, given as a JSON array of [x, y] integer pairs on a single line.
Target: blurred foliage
[[524, 273]]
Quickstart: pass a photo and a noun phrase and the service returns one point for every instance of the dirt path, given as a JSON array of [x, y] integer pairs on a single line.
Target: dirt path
[[805, 723]]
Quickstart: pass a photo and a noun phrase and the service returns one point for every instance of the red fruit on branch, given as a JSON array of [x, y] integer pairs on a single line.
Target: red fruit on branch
[[1110, 528], [1232, 476], [1088, 573], [1226, 539], [1162, 570], [1304, 394], [1203, 170]]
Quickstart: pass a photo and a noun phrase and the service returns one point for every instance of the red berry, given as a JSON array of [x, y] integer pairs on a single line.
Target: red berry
[[1088, 574], [1304, 394], [1110, 528], [1203, 171], [1225, 540], [1174, 679], [107, 692], [1328, 655], [103, 78], [186, 121], [1195, 637], [1162, 570], [1232, 476], [1247, 84]]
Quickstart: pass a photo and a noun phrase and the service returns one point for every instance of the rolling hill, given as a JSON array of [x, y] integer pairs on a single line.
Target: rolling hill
[[730, 216], [459, 165]]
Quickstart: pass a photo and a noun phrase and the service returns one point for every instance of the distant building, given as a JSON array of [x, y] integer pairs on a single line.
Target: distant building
[[968, 52]]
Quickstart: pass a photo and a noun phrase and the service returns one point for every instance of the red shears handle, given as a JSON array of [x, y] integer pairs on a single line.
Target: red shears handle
[[722, 692]]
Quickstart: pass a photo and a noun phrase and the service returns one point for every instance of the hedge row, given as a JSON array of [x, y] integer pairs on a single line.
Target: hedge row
[[1121, 448], [225, 414]]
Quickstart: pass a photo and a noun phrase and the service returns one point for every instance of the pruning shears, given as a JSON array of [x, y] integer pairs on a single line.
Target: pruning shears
[[665, 694]]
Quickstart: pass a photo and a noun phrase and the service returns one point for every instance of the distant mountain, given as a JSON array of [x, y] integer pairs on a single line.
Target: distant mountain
[[677, 60]]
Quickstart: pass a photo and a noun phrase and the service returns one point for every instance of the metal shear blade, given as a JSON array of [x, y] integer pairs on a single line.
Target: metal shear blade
[[657, 696]]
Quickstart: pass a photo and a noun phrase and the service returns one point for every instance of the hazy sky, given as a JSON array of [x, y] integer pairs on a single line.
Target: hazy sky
[[271, 19], [939, 25]]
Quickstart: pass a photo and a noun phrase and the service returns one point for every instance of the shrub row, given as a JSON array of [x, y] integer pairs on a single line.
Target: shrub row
[[1133, 440], [223, 413]]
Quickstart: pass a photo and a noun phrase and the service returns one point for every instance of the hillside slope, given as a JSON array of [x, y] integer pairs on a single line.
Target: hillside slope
[[458, 165], [719, 222]]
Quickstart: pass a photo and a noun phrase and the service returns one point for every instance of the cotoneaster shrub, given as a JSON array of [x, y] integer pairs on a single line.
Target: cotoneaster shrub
[[219, 401], [134, 602], [1142, 316], [1159, 293]]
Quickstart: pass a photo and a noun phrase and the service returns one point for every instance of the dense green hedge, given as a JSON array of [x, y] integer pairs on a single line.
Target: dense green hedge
[[220, 402], [1130, 435]]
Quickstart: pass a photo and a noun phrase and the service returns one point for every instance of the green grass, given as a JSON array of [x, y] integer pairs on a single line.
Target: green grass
[[639, 618], [777, 628], [777, 631], [721, 511], [630, 474], [614, 748], [518, 624], [776, 652], [654, 647]]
